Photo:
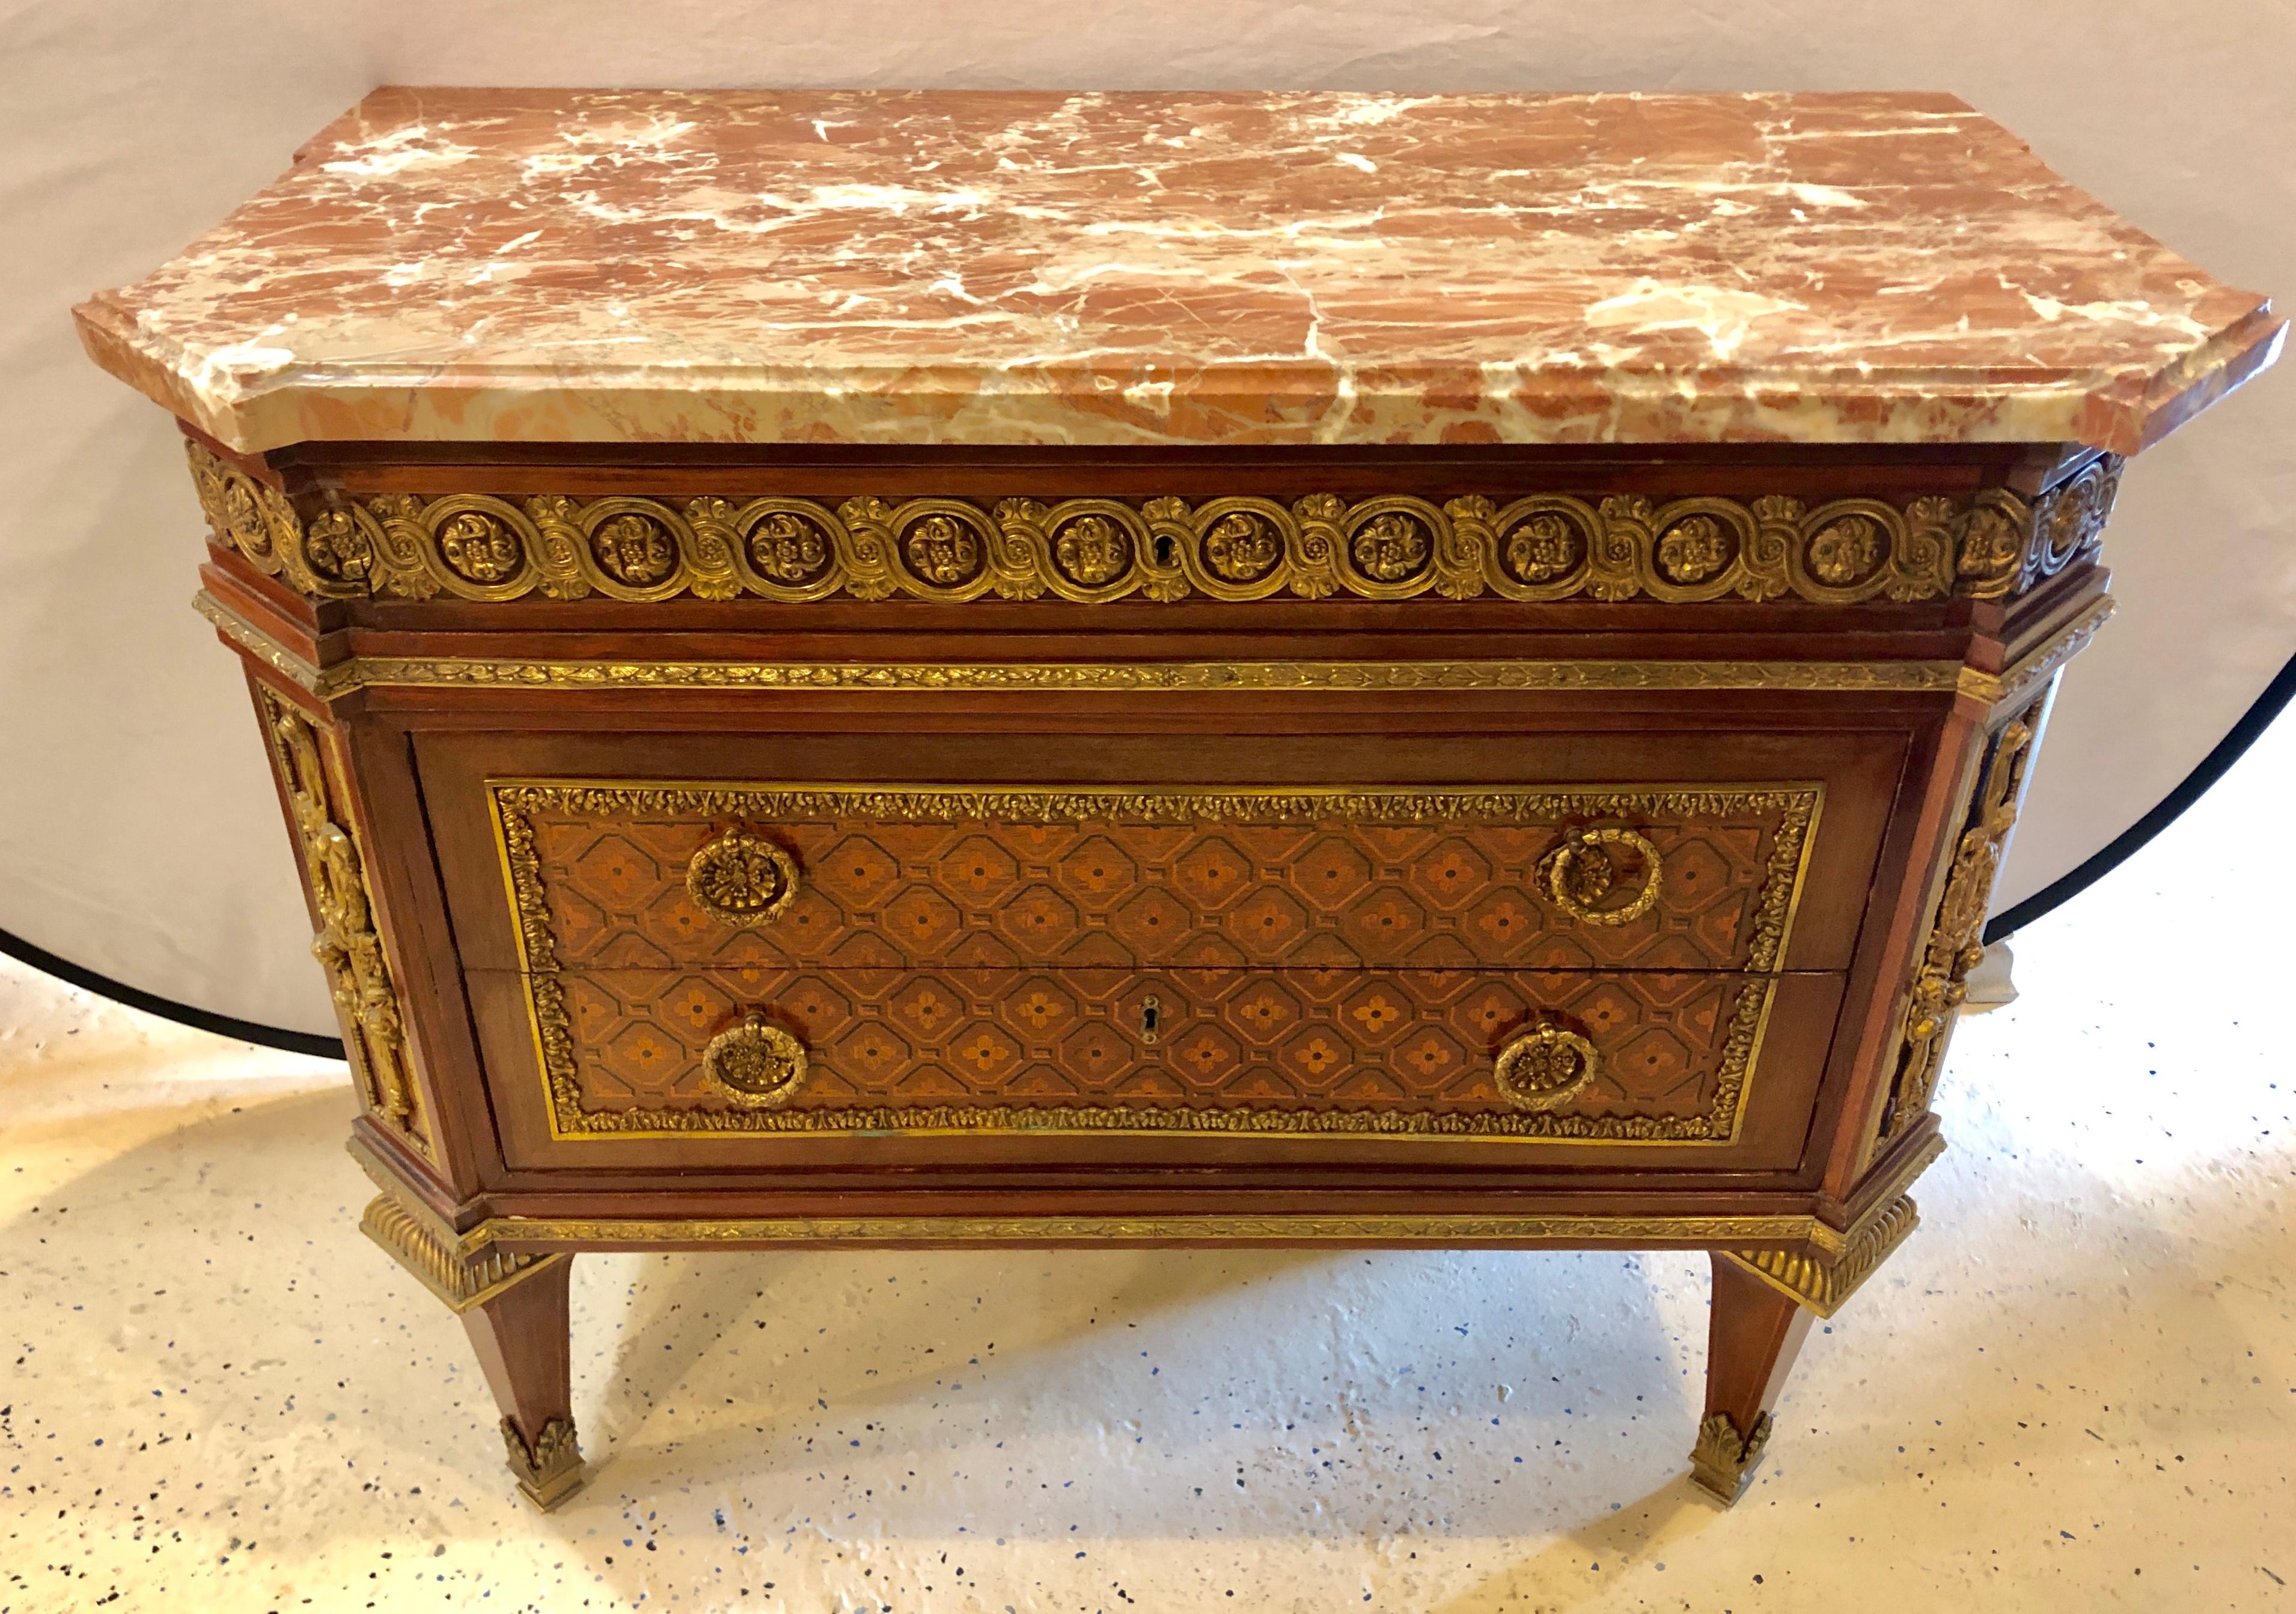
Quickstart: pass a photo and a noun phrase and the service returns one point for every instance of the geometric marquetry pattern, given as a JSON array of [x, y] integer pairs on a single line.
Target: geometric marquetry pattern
[[1264, 883], [1323, 1049], [1327, 960]]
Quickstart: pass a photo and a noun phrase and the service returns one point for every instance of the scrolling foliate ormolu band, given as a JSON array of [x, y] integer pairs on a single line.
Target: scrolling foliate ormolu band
[[2007, 544], [346, 944], [1542, 546]]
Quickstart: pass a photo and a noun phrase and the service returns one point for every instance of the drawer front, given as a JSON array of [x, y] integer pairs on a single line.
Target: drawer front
[[1654, 1056], [635, 877]]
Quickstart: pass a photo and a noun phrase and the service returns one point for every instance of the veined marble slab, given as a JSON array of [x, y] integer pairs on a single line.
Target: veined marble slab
[[962, 268]]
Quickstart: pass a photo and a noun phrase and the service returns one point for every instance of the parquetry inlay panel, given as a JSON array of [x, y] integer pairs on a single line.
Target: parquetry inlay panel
[[1403, 1051], [890, 878], [1328, 961]]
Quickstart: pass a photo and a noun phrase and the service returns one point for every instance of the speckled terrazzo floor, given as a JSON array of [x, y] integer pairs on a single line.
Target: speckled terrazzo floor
[[2075, 1389]]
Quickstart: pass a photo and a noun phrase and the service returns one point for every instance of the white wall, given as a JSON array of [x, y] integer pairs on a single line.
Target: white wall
[[138, 833]]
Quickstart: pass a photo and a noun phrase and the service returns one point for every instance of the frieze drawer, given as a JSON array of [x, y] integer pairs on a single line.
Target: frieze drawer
[[618, 876]]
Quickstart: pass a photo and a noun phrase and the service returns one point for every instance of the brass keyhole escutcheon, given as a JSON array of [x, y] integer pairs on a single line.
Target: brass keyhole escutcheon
[[1582, 873], [756, 1064], [1543, 1067], [1151, 1015], [741, 878]]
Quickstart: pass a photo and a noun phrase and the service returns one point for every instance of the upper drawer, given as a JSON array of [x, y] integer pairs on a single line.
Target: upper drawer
[[640, 875]]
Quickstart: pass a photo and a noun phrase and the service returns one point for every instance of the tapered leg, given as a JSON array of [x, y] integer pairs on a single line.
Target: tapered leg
[[520, 1336], [1751, 1340]]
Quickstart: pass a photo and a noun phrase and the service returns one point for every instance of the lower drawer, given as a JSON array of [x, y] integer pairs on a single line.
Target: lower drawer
[[745, 1059]]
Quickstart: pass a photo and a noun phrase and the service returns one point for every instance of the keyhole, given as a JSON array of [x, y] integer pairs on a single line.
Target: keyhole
[[1151, 1011]]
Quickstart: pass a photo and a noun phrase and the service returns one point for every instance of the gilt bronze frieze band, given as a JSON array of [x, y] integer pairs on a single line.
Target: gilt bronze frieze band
[[1542, 546]]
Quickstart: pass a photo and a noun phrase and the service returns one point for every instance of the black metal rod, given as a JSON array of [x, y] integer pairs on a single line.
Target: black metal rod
[[2196, 784], [166, 1008]]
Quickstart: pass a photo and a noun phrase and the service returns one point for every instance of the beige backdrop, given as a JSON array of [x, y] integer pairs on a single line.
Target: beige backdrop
[[138, 833]]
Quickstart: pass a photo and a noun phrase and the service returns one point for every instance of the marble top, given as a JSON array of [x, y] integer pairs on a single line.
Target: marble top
[[1023, 267]]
